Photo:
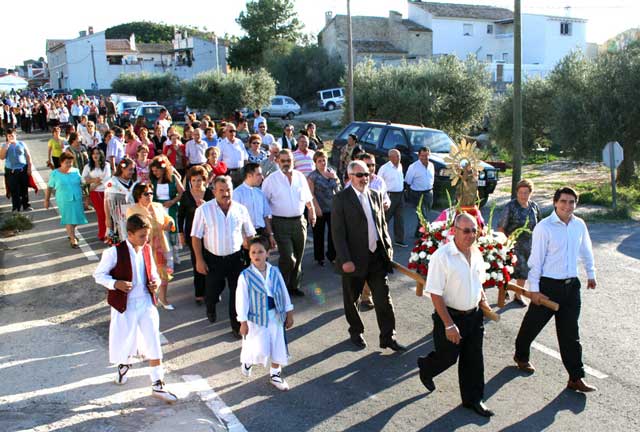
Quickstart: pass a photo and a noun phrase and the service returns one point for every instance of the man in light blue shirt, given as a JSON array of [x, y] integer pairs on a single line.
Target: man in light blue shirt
[[420, 177], [558, 242]]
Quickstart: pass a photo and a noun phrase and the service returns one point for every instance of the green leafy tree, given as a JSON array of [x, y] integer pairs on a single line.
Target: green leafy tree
[[148, 86], [268, 24], [446, 93], [224, 93], [149, 32]]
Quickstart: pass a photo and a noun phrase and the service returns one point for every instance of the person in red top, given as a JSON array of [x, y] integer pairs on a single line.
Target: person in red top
[[175, 151], [216, 166]]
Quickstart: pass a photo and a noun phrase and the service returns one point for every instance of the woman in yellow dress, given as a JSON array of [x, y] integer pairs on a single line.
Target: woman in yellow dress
[[161, 223]]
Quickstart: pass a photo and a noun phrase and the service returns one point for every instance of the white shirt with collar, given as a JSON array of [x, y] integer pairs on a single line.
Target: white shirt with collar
[[556, 248], [222, 234], [419, 177], [139, 276], [392, 176], [194, 151], [452, 277], [287, 200], [372, 232], [256, 203], [234, 154], [257, 121]]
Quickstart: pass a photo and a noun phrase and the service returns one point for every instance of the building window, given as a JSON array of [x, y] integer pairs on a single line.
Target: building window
[[467, 29], [565, 28], [489, 58], [489, 28], [505, 57]]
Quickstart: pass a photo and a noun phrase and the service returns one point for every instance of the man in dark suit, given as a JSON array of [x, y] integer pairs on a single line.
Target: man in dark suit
[[364, 253]]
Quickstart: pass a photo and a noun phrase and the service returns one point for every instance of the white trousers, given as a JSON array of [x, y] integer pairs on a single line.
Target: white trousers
[[264, 343], [136, 332]]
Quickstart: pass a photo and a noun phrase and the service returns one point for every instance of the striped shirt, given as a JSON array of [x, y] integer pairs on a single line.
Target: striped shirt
[[222, 234], [256, 203], [304, 162]]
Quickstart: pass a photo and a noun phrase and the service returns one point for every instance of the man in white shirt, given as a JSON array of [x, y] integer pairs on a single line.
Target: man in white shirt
[[456, 274], [558, 242], [220, 229], [163, 121], [257, 120], [194, 150], [233, 153], [115, 148], [288, 193], [392, 174], [265, 136], [419, 178]]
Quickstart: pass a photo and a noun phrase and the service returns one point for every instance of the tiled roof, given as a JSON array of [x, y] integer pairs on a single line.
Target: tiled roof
[[452, 10], [118, 45], [154, 48], [54, 43], [414, 26], [369, 46]]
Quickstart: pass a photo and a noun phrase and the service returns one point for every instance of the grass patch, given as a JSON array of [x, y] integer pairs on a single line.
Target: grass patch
[[15, 222]]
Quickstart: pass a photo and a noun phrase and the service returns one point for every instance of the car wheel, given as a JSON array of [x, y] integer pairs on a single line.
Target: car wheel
[[331, 106], [290, 116]]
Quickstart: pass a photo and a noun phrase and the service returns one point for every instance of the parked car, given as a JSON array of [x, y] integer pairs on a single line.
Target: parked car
[[378, 138], [150, 114], [125, 111], [282, 106], [121, 97], [330, 99]]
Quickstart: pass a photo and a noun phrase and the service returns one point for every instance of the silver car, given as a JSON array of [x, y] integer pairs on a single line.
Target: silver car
[[282, 106]]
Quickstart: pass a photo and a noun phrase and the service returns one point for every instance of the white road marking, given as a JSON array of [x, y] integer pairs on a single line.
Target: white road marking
[[555, 354], [163, 340], [215, 404], [84, 247]]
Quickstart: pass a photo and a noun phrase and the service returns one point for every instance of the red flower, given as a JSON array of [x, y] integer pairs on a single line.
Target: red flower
[[432, 249], [412, 266], [490, 247], [438, 235], [499, 246], [480, 248], [422, 269]]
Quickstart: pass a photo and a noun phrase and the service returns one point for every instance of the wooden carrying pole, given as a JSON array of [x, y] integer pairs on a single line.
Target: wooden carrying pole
[[544, 302], [420, 282]]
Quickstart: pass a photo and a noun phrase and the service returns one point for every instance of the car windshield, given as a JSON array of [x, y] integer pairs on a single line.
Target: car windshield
[[437, 141]]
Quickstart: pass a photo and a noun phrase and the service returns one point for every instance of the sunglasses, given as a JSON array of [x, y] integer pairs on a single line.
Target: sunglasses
[[468, 230], [360, 174], [255, 142], [148, 194]]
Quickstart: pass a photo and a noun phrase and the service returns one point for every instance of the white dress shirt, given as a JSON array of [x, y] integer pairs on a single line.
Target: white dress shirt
[[97, 172], [419, 177], [287, 200], [372, 233], [222, 234], [115, 149], [256, 203], [194, 151], [392, 176], [242, 294], [453, 278], [139, 276], [256, 123], [234, 154], [556, 248]]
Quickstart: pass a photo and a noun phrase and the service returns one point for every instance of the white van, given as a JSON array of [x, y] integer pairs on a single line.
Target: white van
[[330, 99]]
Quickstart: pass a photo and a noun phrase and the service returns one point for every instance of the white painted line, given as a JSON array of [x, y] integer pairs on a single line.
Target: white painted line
[[163, 340], [84, 247], [215, 404], [555, 354]]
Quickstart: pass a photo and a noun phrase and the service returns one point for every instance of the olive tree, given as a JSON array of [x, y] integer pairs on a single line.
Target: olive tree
[[148, 86]]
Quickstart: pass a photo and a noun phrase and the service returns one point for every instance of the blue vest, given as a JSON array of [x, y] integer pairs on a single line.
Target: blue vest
[[16, 156], [258, 298]]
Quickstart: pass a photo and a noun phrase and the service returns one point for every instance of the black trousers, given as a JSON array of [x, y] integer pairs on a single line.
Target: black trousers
[[427, 203], [376, 277], [18, 184], [395, 213], [567, 294], [323, 221], [223, 269], [199, 280], [468, 354]]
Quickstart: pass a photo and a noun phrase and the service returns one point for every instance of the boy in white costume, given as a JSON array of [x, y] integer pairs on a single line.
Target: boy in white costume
[[130, 275], [264, 311]]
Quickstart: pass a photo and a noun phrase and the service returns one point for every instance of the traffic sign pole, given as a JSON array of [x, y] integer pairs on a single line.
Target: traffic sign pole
[[612, 165]]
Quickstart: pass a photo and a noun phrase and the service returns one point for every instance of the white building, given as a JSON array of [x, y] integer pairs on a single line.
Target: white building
[[486, 32], [92, 62]]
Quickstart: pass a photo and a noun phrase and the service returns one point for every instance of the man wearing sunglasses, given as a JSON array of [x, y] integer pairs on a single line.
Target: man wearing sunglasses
[[456, 273], [363, 254]]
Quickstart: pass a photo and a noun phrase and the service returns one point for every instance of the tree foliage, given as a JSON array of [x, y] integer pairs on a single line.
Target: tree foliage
[[446, 93], [268, 24], [148, 86], [303, 70], [224, 93], [149, 32]]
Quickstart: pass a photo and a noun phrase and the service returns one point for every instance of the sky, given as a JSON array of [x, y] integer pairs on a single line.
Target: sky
[[31, 30]]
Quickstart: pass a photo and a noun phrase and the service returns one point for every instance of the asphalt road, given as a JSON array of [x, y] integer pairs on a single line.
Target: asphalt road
[[55, 373]]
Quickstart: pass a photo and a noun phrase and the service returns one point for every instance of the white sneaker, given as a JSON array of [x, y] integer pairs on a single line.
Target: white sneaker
[[246, 369], [158, 392], [278, 382], [121, 374]]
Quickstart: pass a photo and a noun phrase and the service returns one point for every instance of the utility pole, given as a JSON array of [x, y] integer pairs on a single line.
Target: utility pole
[[93, 63], [517, 98], [350, 64]]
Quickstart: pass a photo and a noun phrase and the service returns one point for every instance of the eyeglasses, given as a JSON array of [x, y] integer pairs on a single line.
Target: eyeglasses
[[360, 174], [285, 160], [468, 230], [255, 142], [148, 194]]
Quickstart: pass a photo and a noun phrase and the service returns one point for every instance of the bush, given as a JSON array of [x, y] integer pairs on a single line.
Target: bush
[[223, 93], [148, 86], [446, 93], [15, 222]]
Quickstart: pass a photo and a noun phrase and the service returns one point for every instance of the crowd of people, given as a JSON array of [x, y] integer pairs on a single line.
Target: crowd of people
[[231, 200]]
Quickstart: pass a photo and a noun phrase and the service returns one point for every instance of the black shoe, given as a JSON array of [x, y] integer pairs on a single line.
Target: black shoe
[[358, 340], [296, 293], [480, 408], [236, 334], [393, 344], [425, 377], [320, 263], [212, 316]]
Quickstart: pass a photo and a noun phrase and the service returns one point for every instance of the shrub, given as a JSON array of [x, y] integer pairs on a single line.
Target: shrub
[[148, 86]]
